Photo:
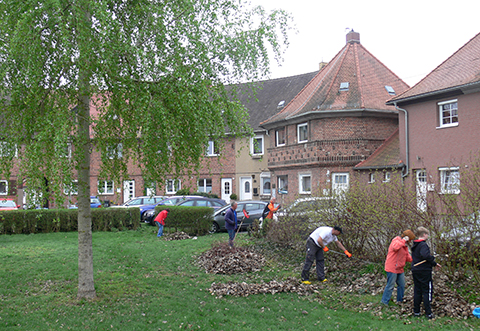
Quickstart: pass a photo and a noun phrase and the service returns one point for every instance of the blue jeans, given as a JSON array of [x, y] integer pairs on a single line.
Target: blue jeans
[[393, 278], [160, 229]]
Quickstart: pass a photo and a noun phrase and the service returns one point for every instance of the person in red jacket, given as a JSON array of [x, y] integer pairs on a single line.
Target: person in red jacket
[[397, 257], [160, 221]]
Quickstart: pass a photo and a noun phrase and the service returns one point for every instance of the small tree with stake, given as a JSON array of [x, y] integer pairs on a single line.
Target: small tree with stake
[[153, 71]]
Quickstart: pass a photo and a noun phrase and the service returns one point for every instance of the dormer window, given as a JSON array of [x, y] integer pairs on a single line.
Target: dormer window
[[390, 90], [344, 86], [281, 104]]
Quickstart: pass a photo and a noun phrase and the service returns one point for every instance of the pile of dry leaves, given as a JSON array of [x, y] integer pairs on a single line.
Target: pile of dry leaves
[[176, 236], [222, 259], [348, 276]]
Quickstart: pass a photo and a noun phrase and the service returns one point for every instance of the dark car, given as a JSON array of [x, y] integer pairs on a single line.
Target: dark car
[[186, 201], [253, 209], [202, 202]]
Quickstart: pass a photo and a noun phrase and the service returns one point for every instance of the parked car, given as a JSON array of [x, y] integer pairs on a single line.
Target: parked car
[[94, 203], [253, 209], [466, 234], [145, 203], [202, 202], [183, 200], [8, 204]]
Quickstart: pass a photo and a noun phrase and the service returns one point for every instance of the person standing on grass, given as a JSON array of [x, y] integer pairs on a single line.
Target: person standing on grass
[[316, 244], [231, 222], [160, 221], [422, 265], [397, 257], [271, 207]]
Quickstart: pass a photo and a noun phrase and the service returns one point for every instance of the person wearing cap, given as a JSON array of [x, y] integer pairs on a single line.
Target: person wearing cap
[[317, 244], [397, 257]]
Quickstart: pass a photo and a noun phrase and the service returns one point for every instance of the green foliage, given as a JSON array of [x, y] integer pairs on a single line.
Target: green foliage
[[65, 220], [233, 196], [192, 220]]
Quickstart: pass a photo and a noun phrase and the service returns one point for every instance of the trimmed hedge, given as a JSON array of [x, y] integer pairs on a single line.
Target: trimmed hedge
[[65, 220], [195, 221]]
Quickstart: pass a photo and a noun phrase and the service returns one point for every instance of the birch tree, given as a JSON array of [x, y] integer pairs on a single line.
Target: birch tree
[[144, 76]]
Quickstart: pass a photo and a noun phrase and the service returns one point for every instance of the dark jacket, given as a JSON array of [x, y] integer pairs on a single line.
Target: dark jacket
[[230, 219], [421, 252]]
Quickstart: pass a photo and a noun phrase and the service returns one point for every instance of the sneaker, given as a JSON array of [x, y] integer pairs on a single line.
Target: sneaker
[[416, 314], [306, 282], [324, 280], [430, 317]]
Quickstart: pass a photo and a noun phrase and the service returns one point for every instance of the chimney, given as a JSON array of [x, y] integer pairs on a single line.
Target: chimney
[[321, 65], [353, 37]]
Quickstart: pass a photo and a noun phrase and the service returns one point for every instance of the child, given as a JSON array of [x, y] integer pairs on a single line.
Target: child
[[422, 265]]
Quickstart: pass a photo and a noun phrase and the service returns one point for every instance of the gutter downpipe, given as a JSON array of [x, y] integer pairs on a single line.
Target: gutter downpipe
[[406, 140]]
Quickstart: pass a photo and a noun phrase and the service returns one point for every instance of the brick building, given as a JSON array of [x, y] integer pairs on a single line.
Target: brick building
[[338, 120]]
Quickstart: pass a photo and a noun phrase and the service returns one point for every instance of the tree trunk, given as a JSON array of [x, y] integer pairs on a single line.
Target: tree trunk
[[86, 286]]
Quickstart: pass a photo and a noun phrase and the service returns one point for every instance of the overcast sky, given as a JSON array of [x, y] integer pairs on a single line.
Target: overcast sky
[[410, 37]]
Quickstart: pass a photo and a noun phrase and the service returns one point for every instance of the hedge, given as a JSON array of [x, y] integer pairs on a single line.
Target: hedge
[[65, 220], [195, 221]]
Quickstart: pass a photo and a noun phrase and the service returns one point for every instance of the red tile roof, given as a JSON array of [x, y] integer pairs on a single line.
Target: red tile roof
[[459, 70], [367, 78], [386, 156]]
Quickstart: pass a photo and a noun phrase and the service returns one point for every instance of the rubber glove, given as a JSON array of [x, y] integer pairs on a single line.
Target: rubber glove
[[347, 253], [325, 249]]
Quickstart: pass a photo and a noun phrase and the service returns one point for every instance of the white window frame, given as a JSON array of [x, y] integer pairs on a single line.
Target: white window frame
[[5, 151], [173, 185], [211, 148], [71, 189], [449, 180], [115, 152], [264, 178], [299, 126], [204, 185], [441, 117], [301, 184], [388, 177], [6, 187], [277, 142], [104, 187], [340, 187], [257, 141], [282, 182], [371, 178]]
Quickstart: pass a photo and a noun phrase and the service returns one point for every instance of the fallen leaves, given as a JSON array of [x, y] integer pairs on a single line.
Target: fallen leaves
[[222, 259]]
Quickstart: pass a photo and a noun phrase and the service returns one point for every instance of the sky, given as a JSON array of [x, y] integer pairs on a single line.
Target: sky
[[410, 37]]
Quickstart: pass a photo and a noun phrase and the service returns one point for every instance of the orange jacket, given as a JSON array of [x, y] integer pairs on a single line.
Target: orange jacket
[[397, 256], [272, 208]]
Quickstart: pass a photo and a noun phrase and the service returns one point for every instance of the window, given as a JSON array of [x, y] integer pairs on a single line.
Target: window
[[173, 185], [265, 184], [283, 184], [448, 113], [281, 104], [205, 185], [212, 149], [105, 187], [450, 180], [71, 189], [304, 183], [280, 137], [302, 131], [3, 187], [115, 152], [388, 176], [256, 145], [8, 150], [371, 178], [344, 86], [390, 90], [340, 182]]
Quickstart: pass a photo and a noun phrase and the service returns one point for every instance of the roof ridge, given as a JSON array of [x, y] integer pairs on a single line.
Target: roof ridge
[[359, 76]]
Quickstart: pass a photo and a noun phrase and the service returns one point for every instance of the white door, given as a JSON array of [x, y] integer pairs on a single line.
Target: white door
[[246, 188], [226, 189], [421, 190], [340, 182], [128, 190]]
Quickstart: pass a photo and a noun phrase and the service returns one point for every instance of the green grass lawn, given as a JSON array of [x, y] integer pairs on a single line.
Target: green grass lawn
[[144, 283]]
